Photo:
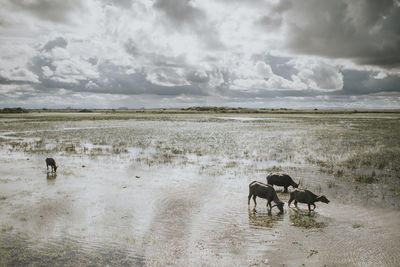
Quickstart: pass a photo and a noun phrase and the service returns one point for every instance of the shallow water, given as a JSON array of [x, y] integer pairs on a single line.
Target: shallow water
[[174, 192]]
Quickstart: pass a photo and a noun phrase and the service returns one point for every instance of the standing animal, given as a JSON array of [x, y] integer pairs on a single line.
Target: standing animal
[[306, 196], [52, 163], [258, 189], [281, 179]]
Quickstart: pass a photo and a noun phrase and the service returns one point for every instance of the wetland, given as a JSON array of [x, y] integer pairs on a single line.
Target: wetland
[[157, 189]]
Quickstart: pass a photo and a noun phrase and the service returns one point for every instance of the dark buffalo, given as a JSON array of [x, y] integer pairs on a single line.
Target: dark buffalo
[[281, 179], [52, 163], [306, 196], [258, 189]]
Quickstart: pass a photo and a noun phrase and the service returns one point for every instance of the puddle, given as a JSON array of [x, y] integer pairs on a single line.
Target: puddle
[[247, 118]]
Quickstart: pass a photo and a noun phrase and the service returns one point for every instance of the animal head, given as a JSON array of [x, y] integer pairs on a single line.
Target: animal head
[[280, 206], [296, 185], [55, 168], [323, 199]]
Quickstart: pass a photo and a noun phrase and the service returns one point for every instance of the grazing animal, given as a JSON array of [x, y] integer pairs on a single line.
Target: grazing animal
[[306, 196], [281, 179], [52, 163], [258, 189]]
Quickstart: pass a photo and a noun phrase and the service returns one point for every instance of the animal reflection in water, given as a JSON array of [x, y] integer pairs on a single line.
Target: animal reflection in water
[[262, 219], [51, 177]]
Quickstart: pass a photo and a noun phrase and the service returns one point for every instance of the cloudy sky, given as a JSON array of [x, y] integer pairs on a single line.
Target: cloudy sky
[[181, 53]]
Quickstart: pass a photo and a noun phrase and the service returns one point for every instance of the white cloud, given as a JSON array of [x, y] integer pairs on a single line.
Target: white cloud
[[20, 74], [317, 74], [208, 50]]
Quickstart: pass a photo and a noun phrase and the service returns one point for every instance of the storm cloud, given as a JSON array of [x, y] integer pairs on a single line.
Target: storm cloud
[[367, 32], [172, 53]]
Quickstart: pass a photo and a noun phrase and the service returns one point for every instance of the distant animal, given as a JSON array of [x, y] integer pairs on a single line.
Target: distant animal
[[258, 189], [281, 179], [52, 163], [306, 196]]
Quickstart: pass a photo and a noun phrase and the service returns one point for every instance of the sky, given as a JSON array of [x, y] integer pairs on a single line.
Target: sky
[[342, 54]]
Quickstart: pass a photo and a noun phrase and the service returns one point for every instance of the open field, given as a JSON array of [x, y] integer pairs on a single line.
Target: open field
[[156, 189]]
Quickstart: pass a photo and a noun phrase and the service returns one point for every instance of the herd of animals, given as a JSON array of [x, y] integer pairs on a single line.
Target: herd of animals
[[265, 191]]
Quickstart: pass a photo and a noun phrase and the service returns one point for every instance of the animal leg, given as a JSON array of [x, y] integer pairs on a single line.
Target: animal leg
[[309, 209], [248, 202], [255, 202], [285, 189], [314, 206], [295, 204], [290, 200]]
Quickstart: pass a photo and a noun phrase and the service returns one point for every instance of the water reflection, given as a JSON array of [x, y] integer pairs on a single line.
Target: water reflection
[[263, 219], [51, 178], [301, 218]]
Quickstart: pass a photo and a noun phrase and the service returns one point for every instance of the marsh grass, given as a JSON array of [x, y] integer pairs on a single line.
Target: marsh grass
[[6, 228], [339, 145], [331, 184], [263, 220], [366, 179], [395, 190], [357, 225], [304, 221]]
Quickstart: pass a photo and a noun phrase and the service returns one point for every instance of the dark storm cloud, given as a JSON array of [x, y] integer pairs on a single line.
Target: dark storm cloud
[[122, 3], [270, 22], [367, 32], [180, 12], [362, 82], [183, 16], [280, 66], [57, 11], [58, 42]]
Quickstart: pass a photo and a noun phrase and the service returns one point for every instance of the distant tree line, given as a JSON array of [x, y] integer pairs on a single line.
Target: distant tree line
[[229, 109], [13, 110]]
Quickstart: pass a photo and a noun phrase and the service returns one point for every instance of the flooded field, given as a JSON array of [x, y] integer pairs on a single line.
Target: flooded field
[[171, 189]]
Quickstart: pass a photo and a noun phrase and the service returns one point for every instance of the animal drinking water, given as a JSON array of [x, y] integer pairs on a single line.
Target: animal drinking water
[[257, 189], [52, 163]]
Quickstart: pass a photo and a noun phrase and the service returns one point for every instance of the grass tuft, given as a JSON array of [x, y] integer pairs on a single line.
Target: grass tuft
[[299, 220]]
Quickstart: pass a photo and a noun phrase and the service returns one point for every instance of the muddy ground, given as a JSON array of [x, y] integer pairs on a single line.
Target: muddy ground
[[171, 190]]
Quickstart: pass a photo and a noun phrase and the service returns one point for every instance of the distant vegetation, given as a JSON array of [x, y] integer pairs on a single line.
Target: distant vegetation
[[13, 110], [228, 109], [85, 110], [215, 109]]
